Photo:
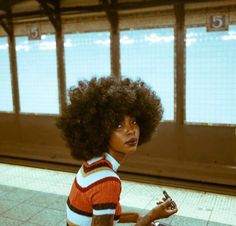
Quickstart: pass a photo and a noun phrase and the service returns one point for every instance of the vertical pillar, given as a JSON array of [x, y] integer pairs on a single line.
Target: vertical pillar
[[8, 27], [180, 79], [52, 10], [115, 45], [13, 66], [61, 67], [180, 64]]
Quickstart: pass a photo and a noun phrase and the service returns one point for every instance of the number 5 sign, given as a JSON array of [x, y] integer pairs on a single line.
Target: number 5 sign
[[217, 22], [34, 33]]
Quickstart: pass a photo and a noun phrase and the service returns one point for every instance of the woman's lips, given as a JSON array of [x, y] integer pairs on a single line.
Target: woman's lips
[[132, 142]]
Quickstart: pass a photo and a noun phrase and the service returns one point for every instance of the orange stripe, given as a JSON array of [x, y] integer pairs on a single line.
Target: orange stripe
[[81, 199]]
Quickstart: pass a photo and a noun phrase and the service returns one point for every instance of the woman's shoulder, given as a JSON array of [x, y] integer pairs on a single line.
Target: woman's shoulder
[[97, 172]]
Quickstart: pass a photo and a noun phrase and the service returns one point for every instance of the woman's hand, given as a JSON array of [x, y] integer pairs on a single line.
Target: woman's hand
[[162, 210]]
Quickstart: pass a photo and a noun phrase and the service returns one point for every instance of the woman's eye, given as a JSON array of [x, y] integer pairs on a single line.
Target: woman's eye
[[134, 122], [119, 126]]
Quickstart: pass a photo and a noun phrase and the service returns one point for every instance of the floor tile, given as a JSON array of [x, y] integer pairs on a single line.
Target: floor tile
[[217, 224], [30, 224], [9, 222], [7, 204], [48, 217], [187, 221], [5, 189], [19, 195], [59, 203], [62, 223], [22, 212], [42, 199], [224, 216]]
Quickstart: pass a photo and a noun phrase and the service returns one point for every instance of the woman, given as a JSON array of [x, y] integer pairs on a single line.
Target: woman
[[104, 122]]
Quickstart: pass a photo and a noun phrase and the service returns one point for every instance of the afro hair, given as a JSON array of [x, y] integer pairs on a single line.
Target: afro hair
[[97, 106]]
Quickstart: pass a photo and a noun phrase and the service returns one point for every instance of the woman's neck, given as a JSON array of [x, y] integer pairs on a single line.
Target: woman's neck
[[118, 156]]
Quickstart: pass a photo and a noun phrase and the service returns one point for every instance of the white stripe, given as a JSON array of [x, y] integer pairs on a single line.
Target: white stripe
[[84, 220], [95, 159], [103, 212], [76, 218], [115, 222], [112, 160], [93, 177]]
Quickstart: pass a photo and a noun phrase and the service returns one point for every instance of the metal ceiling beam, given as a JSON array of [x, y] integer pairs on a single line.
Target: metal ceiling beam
[[155, 3], [100, 7], [110, 7], [134, 5], [5, 26], [52, 10], [5, 5], [6, 23]]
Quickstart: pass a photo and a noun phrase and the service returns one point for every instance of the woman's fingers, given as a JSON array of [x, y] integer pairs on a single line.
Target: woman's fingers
[[169, 203]]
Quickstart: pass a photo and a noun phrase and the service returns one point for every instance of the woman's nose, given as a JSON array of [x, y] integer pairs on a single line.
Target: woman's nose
[[130, 129]]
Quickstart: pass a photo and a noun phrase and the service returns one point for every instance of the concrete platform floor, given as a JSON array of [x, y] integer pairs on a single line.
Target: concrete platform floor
[[32, 196]]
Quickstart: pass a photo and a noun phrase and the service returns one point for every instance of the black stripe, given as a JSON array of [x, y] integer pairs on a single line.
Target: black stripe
[[77, 210], [104, 206]]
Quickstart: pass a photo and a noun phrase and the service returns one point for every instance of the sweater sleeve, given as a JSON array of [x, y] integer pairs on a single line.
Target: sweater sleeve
[[106, 196]]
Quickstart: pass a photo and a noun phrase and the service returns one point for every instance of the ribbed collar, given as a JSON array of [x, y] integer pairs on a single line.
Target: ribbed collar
[[115, 164]]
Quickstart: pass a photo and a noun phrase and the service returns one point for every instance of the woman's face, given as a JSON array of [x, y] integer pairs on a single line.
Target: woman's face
[[124, 139]]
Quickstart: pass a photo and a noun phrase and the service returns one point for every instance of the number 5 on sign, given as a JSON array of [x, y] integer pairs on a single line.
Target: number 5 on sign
[[217, 22], [34, 33]]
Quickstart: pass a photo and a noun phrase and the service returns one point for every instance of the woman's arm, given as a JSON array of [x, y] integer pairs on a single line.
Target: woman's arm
[[103, 220], [129, 217], [163, 210]]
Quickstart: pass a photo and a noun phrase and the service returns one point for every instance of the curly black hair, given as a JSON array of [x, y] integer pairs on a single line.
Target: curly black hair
[[97, 106]]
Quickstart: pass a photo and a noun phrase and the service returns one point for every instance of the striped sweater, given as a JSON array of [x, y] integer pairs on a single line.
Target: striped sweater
[[95, 191]]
